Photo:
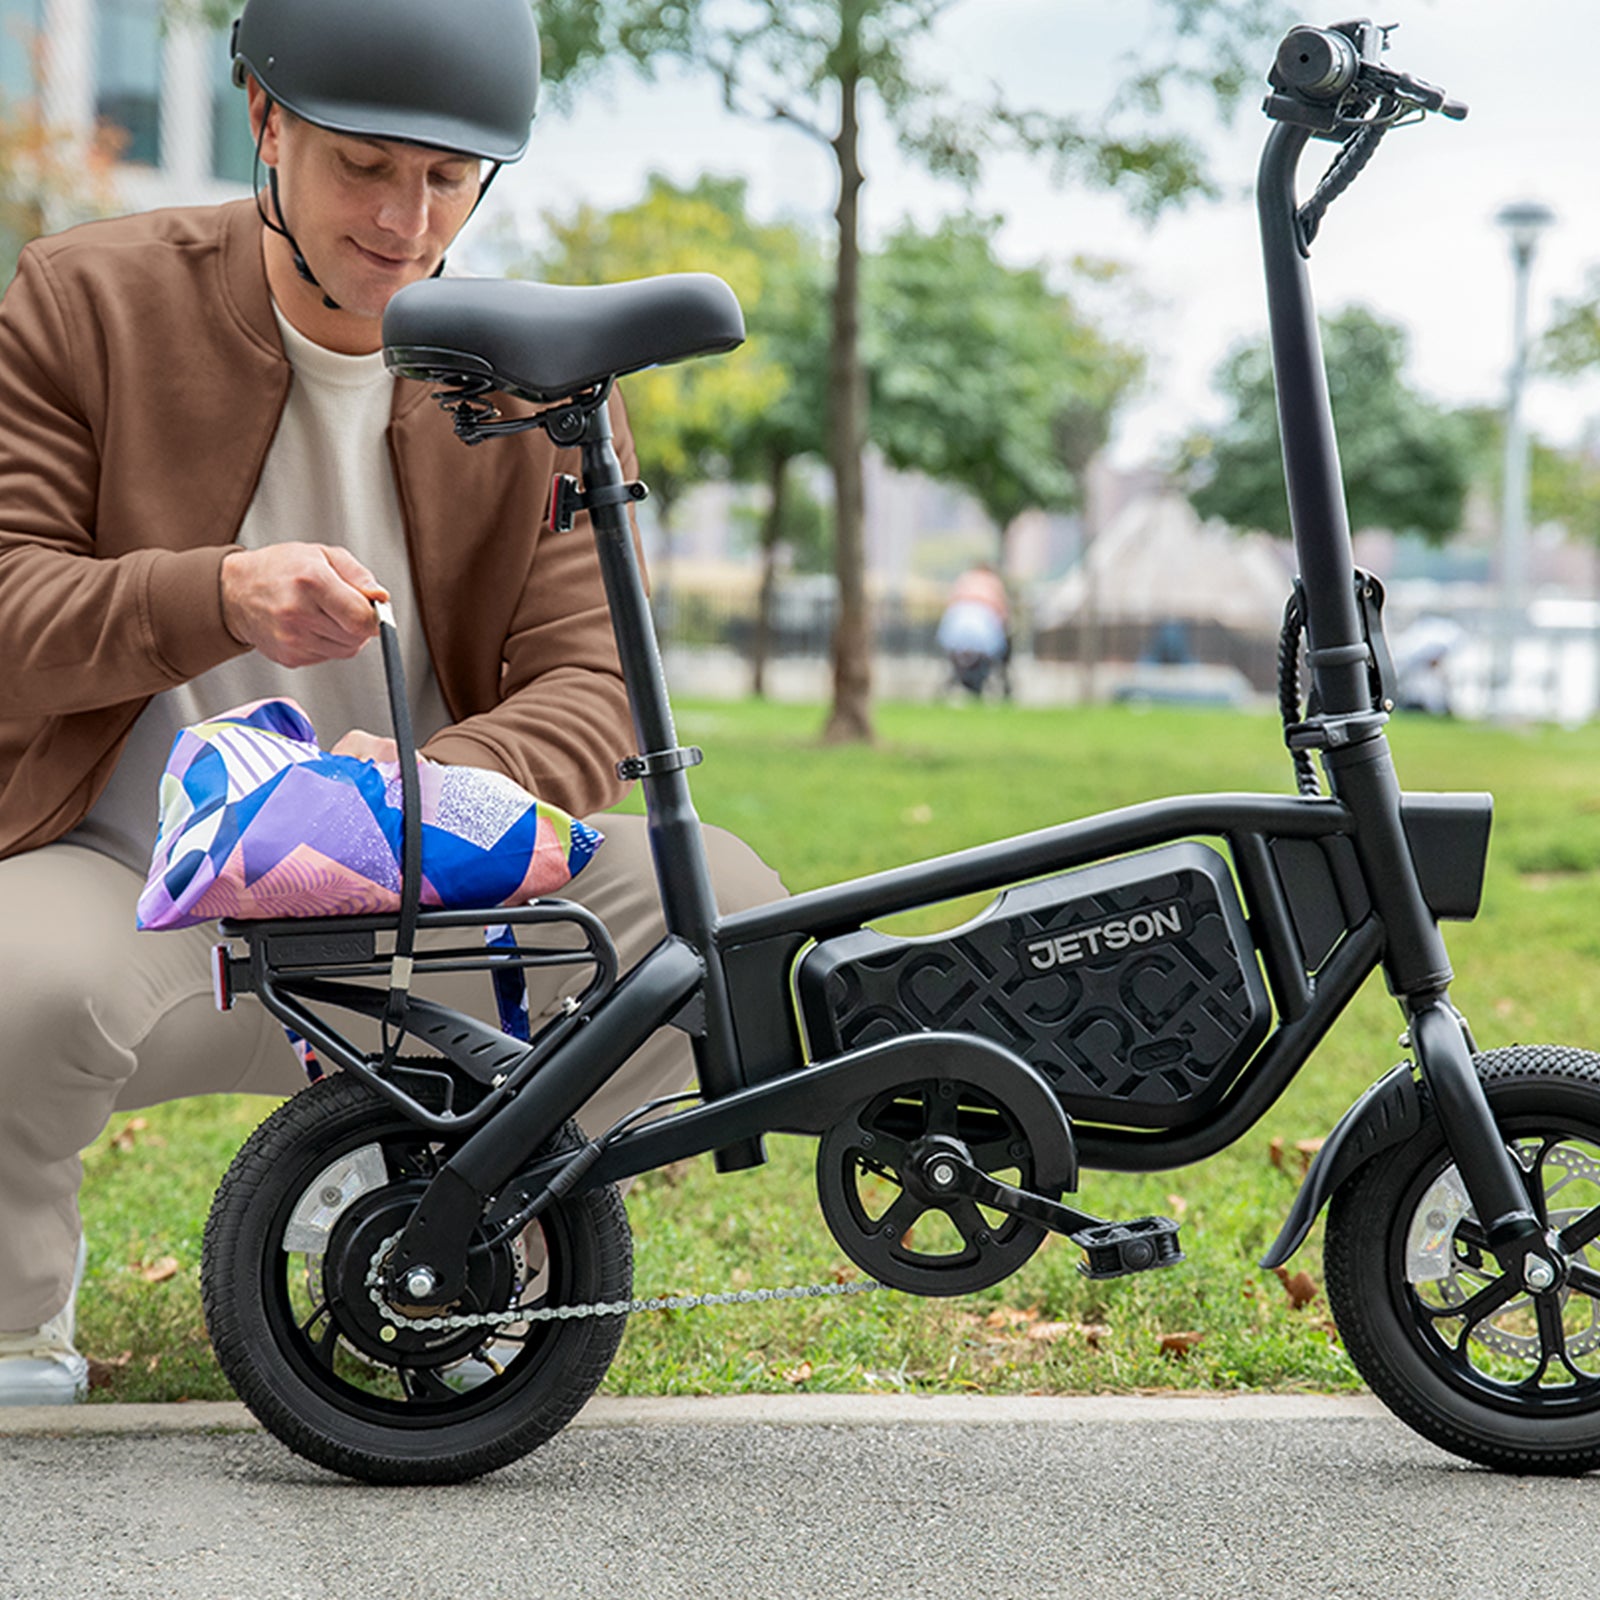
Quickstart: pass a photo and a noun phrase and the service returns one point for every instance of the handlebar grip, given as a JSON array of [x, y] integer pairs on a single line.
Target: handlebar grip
[[1316, 63], [1455, 110]]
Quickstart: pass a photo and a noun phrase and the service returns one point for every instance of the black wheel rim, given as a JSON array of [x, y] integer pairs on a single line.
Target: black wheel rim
[[419, 1388], [1482, 1332]]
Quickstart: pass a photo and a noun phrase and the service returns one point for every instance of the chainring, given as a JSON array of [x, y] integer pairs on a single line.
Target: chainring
[[890, 1225]]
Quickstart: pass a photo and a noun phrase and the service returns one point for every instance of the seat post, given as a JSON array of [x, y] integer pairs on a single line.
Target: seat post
[[683, 874]]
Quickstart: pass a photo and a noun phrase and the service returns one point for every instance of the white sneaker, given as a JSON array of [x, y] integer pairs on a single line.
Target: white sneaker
[[40, 1367]]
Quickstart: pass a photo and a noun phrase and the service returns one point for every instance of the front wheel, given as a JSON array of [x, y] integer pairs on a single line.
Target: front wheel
[[294, 1248], [1457, 1349]]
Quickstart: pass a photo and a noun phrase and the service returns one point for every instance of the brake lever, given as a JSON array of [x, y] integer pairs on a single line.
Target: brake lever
[[1404, 87]]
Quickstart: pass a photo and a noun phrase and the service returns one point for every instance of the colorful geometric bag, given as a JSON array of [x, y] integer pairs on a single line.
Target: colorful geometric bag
[[257, 821]]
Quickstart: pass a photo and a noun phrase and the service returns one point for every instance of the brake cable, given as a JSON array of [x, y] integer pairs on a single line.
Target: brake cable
[[1347, 166]]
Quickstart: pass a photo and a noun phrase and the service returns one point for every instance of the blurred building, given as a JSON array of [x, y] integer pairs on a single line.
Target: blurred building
[[1163, 603], [161, 82]]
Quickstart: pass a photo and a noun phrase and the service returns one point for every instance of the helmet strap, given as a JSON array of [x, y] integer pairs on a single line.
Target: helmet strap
[[278, 227], [281, 226]]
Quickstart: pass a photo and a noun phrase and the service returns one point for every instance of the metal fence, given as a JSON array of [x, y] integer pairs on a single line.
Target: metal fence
[[804, 614]]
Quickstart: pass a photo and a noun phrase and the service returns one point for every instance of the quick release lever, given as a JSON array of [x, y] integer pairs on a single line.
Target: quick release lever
[[567, 499]]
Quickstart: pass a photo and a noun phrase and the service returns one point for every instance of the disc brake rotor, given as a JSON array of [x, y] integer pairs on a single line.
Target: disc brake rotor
[[1452, 1272], [890, 1225]]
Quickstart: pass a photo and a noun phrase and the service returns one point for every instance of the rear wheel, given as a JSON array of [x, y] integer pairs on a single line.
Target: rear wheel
[[294, 1246], [1459, 1350]]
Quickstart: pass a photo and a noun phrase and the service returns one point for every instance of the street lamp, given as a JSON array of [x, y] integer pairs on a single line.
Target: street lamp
[[1523, 221]]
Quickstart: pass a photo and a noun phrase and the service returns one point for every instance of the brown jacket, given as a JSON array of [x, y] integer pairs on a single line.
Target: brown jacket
[[141, 382]]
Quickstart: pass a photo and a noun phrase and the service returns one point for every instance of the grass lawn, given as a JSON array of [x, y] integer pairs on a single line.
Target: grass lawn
[[942, 778]]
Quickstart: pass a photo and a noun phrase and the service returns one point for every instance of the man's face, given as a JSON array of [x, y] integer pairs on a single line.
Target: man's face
[[370, 215]]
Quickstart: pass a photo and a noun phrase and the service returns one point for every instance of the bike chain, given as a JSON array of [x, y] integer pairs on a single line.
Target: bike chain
[[599, 1308]]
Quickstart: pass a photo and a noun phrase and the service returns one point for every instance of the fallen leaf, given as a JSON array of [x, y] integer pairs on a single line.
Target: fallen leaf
[[1307, 1149], [157, 1271], [1050, 1332], [1093, 1332], [1179, 1344], [1178, 1206], [128, 1134], [798, 1375], [102, 1374], [1011, 1317], [1300, 1288], [1304, 1151]]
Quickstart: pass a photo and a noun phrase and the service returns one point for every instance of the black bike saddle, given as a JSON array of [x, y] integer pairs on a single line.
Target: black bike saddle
[[546, 341]]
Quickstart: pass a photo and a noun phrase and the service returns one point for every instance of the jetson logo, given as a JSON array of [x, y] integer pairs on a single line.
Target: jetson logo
[[1118, 933]]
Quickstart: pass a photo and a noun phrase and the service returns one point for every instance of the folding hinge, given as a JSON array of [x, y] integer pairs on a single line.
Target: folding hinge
[[1381, 672]]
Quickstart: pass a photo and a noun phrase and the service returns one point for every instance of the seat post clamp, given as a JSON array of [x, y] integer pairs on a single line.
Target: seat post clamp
[[659, 761], [567, 499]]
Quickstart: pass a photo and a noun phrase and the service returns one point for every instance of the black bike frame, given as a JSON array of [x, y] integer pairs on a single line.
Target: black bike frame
[[727, 981]]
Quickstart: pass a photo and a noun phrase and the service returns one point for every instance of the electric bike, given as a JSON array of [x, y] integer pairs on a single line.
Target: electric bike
[[418, 1269]]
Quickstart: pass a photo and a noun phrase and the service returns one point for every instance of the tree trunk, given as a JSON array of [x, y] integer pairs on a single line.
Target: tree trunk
[[771, 534], [850, 719], [1089, 621]]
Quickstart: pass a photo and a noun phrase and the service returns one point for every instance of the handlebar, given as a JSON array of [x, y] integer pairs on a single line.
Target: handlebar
[[1331, 80], [1330, 84]]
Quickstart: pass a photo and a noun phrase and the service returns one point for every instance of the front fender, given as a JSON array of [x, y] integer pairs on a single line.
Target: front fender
[[1389, 1112]]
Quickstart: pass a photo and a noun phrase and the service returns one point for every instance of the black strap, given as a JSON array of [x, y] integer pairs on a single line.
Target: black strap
[[410, 834]]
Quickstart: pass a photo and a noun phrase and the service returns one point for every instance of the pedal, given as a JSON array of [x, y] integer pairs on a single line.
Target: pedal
[[939, 1167], [1115, 1249]]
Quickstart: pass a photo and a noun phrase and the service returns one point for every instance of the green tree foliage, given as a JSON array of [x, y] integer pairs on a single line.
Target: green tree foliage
[[1407, 463], [1571, 344], [1563, 484], [816, 65], [984, 376], [689, 416], [745, 416]]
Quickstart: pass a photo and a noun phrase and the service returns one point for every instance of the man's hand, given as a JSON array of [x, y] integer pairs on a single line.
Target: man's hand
[[299, 604], [366, 746]]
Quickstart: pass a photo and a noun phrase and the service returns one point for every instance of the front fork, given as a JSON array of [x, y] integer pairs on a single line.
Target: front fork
[[1494, 1180]]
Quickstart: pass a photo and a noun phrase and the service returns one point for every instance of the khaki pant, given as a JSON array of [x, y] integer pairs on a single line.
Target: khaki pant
[[96, 1017]]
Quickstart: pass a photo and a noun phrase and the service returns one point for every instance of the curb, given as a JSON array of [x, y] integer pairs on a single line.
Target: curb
[[783, 1410]]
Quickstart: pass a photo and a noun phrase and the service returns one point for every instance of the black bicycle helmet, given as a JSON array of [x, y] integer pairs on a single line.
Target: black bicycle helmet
[[457, 75]]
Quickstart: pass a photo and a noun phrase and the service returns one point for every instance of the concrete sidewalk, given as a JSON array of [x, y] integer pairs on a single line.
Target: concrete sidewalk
[[800, 1498]]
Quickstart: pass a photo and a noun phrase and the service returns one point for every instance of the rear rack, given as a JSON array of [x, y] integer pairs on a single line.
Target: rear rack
[[298, 967]]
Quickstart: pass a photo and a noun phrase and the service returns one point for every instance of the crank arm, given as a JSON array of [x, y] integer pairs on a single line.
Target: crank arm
[[946, 1173], [1114, 1249]]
